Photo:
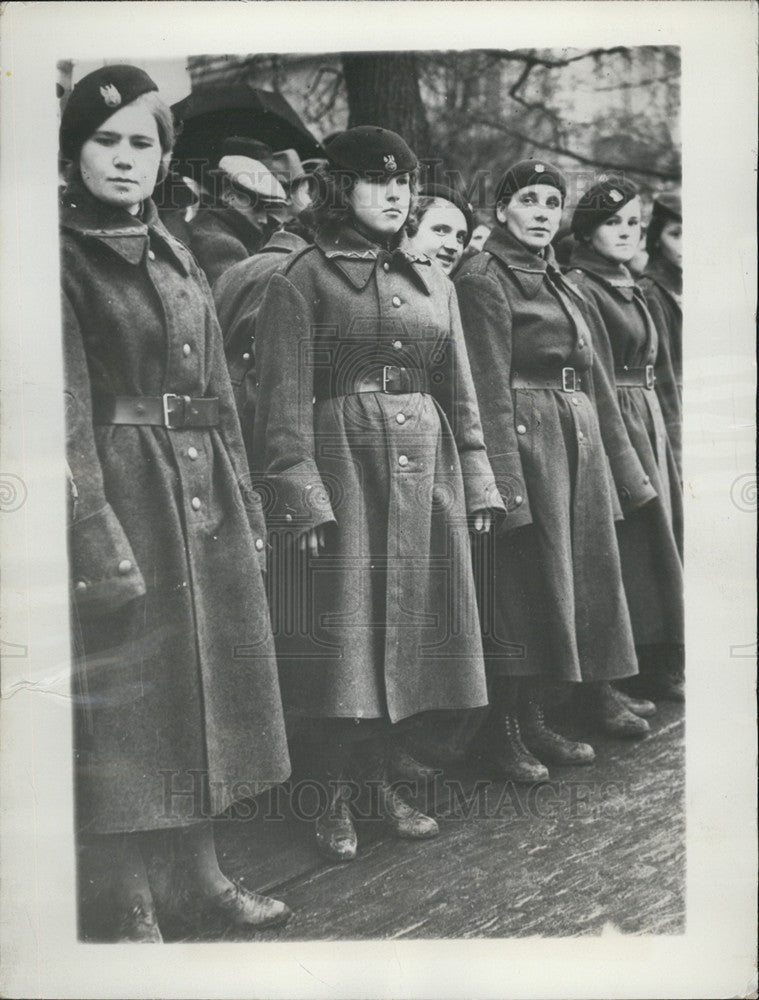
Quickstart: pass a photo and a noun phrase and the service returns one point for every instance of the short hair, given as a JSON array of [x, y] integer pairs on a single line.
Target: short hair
[[331, 189], [162, 116]]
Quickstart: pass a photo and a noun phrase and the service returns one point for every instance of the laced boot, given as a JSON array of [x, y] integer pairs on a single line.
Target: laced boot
[[238, 908], [505, 750], [137, 923], [607, 710], [543, 742], [335, 833], [403, 819], [638, 706], [402, 765]]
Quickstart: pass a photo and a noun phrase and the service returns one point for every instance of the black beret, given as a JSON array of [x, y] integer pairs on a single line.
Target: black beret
[[94, 99], [456, 198], [525, 173], [600, 202], [369, 149], [667, 208]]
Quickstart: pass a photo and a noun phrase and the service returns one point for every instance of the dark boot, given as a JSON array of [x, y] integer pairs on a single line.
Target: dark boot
[[639, 706], [136, 921], [403, 819], [502, 745], [541, 741], [605, 709], [335, 833], [662, 675]]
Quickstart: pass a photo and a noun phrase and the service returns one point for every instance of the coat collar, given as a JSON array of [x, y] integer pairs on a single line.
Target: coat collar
[[356, 257], [666, 275], [283, 241], [615, 277], [127, 235], [528, 268]]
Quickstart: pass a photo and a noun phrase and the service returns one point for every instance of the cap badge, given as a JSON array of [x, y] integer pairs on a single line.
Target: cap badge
[[110, 95], [539, 168], [615, 195], [390, 163]]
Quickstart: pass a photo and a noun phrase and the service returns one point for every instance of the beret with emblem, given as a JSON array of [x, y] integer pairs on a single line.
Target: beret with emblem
[[370, 151], [446, 193], [524, 174], [94, 99], [667, 208], [600, 202]]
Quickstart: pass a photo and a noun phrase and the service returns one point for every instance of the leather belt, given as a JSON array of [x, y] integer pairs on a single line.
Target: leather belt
[[389, 378], [565, 380], [642, 377], [170, 411]]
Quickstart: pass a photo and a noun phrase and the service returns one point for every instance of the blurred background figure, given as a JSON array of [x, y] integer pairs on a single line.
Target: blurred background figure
[[480, 234]]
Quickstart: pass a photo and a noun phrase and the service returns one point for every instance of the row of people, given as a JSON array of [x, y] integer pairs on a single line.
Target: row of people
[[386, 444]]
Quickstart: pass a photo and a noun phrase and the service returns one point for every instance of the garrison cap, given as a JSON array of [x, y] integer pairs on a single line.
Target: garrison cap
[[524, 174], [370, 149], [600, 202], [446, 193], [94, 99]]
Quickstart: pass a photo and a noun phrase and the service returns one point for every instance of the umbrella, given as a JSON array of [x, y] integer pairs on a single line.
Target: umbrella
[[211, 113]]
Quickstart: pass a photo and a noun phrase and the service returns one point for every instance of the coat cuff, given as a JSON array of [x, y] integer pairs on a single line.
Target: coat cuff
[[509, 479], [254, 508], [105, 574], [480, 489], [633, 485], [296, 499]]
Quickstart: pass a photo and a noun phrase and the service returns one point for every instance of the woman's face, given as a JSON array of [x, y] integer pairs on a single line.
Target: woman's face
[[617, 239], [119, 162], [671, 242], [381, 206], [442, 234], [532, 215], [479, 236]]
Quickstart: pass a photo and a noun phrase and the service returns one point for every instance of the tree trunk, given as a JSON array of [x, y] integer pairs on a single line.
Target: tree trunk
[[383, 89]]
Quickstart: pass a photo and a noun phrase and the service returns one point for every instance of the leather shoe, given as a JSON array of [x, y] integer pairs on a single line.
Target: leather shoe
[[239, 908], [335, 834], [639, 706], [543, 742], [137, 923], [403, 818], [611, 716]]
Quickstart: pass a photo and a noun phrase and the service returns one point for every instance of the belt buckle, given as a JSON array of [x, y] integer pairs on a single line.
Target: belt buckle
[[168, 414], [386, 376], [650, 377], [565, 373]]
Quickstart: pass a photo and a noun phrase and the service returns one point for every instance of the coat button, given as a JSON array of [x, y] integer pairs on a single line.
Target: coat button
[[581, 343], [521, 429], [386, 266], [580, 436], [125, 566], [396, 301], [186, 350], [518, 500], [402, 461], [80, 586], [646, 480], [192, 453], [575, 401], [397, 344], [151, 255], [288, 517], [400, 418], [246, 357], [259, 544], [195, 503]]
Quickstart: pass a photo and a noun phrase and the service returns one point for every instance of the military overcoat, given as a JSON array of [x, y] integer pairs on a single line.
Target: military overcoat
[[391, 621], [553, 602], [662, 285], [178, 705], [651, 560], [218, 235]]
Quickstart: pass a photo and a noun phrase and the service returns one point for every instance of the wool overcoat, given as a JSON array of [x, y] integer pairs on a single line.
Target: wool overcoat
[[219, 236], [390, 625], [552, 597], [178, 705], [238, 295], [662, 286], [651, 560]]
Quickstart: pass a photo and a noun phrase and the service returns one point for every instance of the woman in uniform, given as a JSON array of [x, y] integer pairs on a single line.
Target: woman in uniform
[[662, 285], [606, 226], [553, 604], [178, 709], [370, 453]]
